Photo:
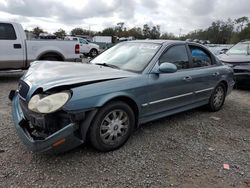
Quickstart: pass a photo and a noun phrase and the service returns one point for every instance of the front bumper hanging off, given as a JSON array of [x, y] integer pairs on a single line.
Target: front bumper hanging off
[[58, 142]]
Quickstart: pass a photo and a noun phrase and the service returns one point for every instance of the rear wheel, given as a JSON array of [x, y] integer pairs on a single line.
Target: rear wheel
[[93, 53], [50, 58], [112, 126], [217, 98]]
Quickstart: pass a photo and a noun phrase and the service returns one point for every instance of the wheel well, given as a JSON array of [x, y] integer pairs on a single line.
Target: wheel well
[[51, 54], [131, 103], [225, 84]]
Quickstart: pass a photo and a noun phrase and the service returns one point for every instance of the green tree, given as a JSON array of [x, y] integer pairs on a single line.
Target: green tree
[[245, 33], [37, 31], [219, 32], [80, 31], [135, 32], [155, 32], [60, 33], [109, 32], [241, 22], [168, 36], [146, 31], [120, 26]]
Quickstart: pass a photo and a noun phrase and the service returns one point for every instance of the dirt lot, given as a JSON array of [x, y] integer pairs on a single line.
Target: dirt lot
[[184, 150]]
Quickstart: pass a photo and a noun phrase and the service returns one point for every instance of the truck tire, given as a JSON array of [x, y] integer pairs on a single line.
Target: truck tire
[[51, 57], [93, 52]]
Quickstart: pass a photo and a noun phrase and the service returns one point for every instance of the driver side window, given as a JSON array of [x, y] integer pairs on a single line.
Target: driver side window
[[176, 55]]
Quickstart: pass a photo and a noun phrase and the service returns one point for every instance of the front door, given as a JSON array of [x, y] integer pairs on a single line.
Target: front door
[[169, 91], [85, 47]]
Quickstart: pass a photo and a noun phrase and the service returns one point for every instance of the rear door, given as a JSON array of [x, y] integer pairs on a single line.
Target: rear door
[[205, 72], [11, 48]]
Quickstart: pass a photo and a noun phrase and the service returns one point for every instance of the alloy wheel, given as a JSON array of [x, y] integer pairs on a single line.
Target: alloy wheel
[[218, 97], [114, 126]]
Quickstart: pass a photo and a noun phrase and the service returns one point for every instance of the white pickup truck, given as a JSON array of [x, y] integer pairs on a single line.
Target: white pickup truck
[[86, 47], [16, 52]]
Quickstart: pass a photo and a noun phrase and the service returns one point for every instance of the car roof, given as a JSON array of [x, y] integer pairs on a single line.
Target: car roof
[[167, 42], [159, 41]]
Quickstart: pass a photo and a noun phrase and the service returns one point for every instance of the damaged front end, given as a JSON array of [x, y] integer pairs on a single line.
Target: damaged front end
[[53, 132]]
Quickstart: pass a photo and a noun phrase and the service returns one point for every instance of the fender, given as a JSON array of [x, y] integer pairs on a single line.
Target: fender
[[50, 51], [97, 101]]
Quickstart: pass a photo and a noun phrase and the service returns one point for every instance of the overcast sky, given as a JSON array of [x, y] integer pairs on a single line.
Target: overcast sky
[[171, 15]]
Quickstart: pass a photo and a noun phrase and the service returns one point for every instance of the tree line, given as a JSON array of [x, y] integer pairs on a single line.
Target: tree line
[[219, 32]]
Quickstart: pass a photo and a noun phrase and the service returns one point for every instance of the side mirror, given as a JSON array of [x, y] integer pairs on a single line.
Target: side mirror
[[167, 68]]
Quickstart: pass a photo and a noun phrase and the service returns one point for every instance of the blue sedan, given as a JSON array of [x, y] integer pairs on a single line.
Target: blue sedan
[[58, 105]]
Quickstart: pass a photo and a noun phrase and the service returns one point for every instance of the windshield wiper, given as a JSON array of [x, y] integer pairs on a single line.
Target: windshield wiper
[[108, 65]]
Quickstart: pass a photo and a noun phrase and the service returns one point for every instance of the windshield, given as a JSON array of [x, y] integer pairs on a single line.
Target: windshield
[[128, 56], [238, 49]]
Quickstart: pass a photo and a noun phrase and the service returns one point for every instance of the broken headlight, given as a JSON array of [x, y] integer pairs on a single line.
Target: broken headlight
[[48, 104]]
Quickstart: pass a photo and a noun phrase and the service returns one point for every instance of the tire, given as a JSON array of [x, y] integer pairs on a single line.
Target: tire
[[112, 126], [50, 58], [217, 98], [93, 53]]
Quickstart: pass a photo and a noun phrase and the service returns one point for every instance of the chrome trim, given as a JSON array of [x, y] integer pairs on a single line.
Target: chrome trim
[[203, 90], [177, 96], [170, 98], [144, 105]]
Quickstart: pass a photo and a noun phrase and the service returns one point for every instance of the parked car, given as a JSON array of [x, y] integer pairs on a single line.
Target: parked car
[[238, 57], [86, 47], [217, 50], [17, 52], [129, 84]]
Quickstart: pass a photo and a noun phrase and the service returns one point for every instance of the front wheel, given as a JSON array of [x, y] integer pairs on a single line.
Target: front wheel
[[112, 126], [217, 98]]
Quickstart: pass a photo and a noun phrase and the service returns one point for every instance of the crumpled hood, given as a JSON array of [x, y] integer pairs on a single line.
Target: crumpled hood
[[234, 58], [49, 74]]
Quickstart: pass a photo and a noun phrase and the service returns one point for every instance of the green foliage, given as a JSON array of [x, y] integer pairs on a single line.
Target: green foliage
[[245, 33], [109, 32], [60, 33], [37, 31], [168, 36], [241, 22], [220, 32], [137, 32], [80, 31]]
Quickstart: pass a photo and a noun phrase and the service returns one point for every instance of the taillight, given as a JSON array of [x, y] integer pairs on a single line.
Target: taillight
[[77, 49]]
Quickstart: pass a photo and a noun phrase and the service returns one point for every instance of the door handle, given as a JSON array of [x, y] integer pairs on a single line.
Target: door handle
[[216, 74], [187, 78], [17, 46]]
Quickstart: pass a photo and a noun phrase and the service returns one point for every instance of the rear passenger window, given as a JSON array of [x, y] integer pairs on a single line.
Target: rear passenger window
[[176, 55], [7, 32], [200, 57]]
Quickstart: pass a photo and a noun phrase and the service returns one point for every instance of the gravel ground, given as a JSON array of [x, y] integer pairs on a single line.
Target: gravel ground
[[184, 150]]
